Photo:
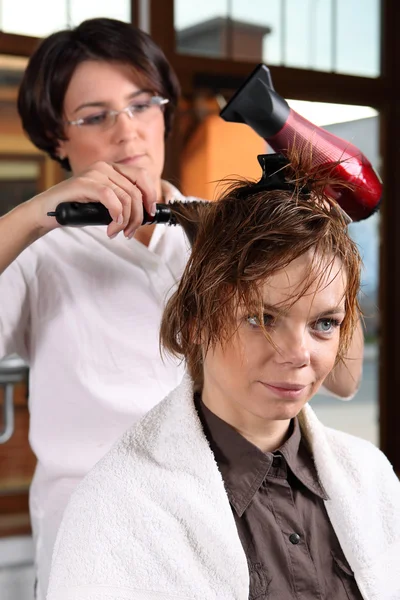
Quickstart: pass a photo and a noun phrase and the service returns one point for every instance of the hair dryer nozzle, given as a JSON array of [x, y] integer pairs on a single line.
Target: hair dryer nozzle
[[258, 105]]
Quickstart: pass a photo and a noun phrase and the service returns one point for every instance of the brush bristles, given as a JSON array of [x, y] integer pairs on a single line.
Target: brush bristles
[[188, 215]]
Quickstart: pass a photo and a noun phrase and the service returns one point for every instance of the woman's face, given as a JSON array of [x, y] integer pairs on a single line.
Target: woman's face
[[248, 378], [97, 86]]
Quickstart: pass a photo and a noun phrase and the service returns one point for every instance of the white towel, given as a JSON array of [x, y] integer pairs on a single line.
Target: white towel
[[152, 520], [363, 505]]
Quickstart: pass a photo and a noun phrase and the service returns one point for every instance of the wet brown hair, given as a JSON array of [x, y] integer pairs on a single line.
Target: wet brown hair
[[243, 239], [52, 65]]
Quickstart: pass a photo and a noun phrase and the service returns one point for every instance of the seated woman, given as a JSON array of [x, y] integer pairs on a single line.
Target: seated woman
[[231, 488]]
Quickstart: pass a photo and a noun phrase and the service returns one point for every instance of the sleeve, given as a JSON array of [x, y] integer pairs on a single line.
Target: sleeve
[[14, 311], [325, 392]]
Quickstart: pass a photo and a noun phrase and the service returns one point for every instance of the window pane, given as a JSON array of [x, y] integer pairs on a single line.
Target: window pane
[[327, 35], [115, 9], [358, 37], [42, 17], [200, 27]]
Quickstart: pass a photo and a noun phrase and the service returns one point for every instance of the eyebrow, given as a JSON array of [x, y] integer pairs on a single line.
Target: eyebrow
[[282, 309], [337, 310], [106, 104]]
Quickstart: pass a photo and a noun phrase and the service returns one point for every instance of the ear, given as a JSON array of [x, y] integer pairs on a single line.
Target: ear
[[196, 336], [61, 150]]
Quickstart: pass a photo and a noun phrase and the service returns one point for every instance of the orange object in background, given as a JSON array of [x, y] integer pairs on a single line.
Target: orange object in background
[[219, 150]]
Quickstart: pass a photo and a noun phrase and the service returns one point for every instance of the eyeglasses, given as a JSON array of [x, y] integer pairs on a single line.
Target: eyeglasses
[[142, 108]]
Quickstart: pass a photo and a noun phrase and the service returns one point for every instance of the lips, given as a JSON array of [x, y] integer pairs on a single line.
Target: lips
[[130, 159], [284, 389], [284, 385]]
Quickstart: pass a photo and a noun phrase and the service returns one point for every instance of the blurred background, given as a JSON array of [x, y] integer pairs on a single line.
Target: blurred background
[[338, 64]]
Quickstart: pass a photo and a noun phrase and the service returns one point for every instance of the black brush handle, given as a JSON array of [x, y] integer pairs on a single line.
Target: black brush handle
[[80, 214]]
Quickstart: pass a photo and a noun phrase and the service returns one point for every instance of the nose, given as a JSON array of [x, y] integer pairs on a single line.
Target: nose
[[293, 348], [125, 127]]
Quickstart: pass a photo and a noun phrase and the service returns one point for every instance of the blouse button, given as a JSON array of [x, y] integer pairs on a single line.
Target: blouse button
[[276, 462], [294, 538]]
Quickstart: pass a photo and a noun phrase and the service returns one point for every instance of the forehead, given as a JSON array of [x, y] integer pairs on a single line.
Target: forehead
[[310, 278], [101, 81]]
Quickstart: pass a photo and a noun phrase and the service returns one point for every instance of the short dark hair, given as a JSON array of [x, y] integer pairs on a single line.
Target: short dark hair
[[49, 71]]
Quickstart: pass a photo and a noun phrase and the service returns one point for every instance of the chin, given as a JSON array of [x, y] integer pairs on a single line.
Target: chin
[[288, 414], [280, 411]]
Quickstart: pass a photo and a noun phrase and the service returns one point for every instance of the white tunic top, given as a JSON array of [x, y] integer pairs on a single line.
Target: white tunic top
[[84, 312]]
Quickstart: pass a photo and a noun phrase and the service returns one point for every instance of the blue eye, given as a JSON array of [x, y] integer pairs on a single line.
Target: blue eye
[[327, 325]]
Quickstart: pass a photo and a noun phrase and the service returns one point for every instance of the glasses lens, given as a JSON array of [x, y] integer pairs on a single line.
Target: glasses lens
[[108, 121], [98, 121], [143, 107]]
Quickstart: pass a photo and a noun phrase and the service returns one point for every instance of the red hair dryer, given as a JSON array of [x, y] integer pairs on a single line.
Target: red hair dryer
[[258, 105]]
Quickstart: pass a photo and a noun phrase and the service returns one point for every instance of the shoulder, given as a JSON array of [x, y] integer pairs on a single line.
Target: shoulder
[[353, 444], [146, 468], [145, 443], [331, 446], [361, 460]]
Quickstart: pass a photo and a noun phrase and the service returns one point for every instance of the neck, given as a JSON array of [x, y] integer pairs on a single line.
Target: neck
[[267, 435]]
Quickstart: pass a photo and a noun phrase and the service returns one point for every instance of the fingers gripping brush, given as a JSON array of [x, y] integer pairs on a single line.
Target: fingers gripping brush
[[257, 104]]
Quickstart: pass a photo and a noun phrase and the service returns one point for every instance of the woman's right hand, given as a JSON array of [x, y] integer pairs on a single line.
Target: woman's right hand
[[123, 189]]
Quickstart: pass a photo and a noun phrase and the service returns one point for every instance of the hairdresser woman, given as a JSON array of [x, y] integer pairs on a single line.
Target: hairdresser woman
[[83, 307]]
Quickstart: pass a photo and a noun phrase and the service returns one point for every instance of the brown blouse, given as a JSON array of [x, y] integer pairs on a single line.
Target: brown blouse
[[278, 505]]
